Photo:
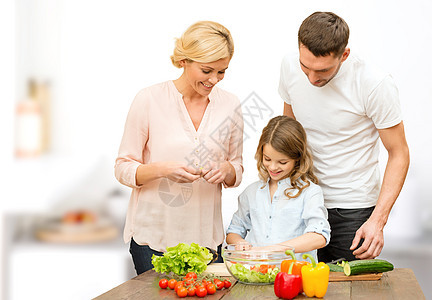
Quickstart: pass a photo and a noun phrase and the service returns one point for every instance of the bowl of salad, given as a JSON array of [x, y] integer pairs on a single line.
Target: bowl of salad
[[255, 265]]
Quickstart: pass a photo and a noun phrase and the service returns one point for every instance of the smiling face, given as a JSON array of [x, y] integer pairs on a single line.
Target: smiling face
[[320, 69], [277, 164], [202, 77]]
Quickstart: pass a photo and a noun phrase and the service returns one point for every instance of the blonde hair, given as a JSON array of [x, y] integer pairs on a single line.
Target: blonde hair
[[288, 136], [204, 42]]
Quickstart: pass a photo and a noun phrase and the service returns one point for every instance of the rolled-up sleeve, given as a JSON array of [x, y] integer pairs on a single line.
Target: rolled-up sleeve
[[241, 221], [315, 214], [134, 139]]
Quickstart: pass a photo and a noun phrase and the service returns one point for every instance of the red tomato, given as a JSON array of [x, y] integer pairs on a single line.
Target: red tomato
[[227, 284], [163, 283], [178, 285], [191, 291], [211, 288], [204, 282], [192, 275], [201, 291], [172, 283], [182, 292], [263, 268], [219, 284]]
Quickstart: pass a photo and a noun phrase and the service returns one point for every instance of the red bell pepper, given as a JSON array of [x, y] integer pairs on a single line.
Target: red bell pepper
[[296, 265], [287, 285]]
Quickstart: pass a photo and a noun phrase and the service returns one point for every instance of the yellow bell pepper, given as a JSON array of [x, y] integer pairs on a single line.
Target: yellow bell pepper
[[315, 277]]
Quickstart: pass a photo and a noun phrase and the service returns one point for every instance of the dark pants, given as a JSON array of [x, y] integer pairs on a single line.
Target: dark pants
[[343, 223], [142, 255]]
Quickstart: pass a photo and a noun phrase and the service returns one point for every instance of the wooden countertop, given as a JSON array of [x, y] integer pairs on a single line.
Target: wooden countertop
[[397, 284]]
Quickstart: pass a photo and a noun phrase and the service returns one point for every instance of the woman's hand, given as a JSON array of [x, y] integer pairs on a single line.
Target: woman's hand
[[219, 172], [178, 172]]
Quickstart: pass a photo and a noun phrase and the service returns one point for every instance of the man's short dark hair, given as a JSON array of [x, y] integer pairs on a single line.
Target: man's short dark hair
[[324, 33]]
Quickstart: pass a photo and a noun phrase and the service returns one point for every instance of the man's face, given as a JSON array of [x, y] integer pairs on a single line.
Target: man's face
[[320, 69]]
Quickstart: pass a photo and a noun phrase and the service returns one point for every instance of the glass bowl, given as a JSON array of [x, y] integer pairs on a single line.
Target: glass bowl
[[252, 266]]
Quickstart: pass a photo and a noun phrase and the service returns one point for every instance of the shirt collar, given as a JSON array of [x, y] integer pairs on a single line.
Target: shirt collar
[[286, 181]]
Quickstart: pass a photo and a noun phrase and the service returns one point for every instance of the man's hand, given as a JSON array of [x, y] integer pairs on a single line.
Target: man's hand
[[373, 240]]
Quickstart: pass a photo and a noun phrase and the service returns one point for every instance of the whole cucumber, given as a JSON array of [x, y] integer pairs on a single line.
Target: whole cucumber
[[362, 266]]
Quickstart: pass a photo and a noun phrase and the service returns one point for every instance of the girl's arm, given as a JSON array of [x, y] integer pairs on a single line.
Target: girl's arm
[[304, 243], [234, 238], [241, 244]]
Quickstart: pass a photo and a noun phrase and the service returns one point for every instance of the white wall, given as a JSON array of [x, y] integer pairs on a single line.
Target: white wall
[[98, 54]]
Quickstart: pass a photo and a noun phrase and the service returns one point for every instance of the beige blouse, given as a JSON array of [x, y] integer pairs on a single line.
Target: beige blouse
[[163, 213]]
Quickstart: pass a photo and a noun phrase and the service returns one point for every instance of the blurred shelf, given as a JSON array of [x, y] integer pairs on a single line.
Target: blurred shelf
[[36, 184]]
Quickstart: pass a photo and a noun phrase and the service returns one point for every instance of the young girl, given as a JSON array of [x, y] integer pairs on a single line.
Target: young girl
[[286, 207]]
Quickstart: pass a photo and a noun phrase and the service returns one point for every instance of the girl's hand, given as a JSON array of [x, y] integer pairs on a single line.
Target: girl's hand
[[219, 172], [243, 246], [179, 172]]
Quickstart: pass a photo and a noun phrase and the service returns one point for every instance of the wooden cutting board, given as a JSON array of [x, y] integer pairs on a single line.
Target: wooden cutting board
[[340, 276], [219, 269]]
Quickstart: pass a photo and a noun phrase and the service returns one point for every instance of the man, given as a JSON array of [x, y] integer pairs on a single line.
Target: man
[[346, 106]]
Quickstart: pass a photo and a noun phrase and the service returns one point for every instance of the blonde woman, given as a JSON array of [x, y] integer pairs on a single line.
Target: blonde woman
[[182, 141], [286, 206]]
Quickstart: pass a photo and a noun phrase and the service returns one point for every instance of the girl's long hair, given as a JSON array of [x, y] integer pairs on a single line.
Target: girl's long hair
[[288, 136]]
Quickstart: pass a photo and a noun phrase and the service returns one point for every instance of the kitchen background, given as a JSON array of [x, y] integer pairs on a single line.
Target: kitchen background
[[69, 71]]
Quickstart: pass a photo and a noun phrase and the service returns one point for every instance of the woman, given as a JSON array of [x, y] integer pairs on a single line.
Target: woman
[[182, 140]]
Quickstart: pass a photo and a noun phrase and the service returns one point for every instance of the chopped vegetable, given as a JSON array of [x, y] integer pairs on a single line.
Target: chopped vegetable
[[182, 259], [245, 275], [335, 267]]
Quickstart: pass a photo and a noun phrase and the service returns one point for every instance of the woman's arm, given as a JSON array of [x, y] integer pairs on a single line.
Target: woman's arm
[[175, 171]]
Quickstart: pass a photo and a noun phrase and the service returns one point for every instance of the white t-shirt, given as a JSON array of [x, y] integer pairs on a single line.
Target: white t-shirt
[[341, 120]]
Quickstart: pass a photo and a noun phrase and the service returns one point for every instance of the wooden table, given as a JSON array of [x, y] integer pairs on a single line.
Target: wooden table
[[397, 284]]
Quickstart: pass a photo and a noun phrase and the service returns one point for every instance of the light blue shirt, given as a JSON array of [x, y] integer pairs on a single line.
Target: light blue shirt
[[263, 221]]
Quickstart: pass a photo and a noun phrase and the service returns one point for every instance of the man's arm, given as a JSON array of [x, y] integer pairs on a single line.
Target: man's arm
[[395, 173], [288, 110]]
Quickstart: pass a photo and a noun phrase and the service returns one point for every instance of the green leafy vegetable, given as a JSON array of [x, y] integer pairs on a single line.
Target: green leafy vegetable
[[244, 274], [182, 259]]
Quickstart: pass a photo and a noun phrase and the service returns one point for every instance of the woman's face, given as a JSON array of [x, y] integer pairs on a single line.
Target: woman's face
[[202, 77], [277, 164]]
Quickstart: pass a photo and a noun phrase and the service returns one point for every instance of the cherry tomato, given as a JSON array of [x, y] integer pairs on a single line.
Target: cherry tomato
[[201, 291], [227, 284], [178, 285], [172, 283], [219, 284], [191, 291], [192, 275], [204, 282], [211, 288], [189, 281], [182, 292], [163, 283]]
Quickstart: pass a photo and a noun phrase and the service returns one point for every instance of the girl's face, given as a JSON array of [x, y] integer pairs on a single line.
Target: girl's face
[[202, 77], [277, 164]]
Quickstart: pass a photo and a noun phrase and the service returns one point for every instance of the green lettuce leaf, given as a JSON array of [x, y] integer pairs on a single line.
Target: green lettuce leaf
[[182, 259], [244, 274]]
